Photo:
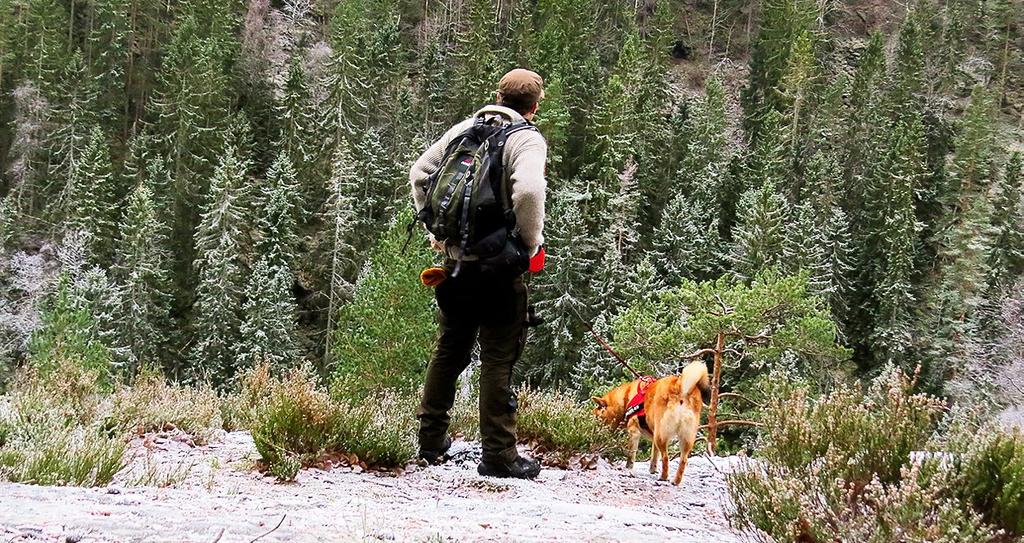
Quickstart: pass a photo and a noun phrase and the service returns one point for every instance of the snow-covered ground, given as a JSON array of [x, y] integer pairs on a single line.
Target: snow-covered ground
[[217, 496]]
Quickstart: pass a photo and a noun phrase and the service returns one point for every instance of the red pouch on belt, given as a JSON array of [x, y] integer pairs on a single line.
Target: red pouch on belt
[[537, 261]]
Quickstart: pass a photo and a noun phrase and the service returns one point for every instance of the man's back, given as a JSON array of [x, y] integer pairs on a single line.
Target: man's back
[[523, 162]]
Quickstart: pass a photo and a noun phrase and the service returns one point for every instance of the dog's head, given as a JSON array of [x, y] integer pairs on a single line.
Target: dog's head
[[606, 410]]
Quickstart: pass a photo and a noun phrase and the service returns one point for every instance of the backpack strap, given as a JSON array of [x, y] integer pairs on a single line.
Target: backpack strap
[[497, 173]]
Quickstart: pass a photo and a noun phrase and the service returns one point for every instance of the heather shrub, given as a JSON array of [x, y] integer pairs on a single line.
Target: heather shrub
[[238, 410], [560, 426], [863, 436], [839, 468], [299, 422]]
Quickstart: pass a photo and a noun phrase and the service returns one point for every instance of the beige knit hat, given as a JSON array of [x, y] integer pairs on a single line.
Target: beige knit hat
[[521, 86]]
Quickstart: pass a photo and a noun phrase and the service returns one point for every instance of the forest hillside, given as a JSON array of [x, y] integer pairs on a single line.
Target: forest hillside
[[203, 206]]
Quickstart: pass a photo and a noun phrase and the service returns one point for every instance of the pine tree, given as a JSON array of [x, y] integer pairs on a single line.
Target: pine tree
[[1006, 260], [142, 267], [267, 331], [90, 197], [221, 271], [759, 237]]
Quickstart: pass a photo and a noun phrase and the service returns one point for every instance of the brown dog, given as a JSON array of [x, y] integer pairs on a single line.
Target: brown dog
[[672, 410]]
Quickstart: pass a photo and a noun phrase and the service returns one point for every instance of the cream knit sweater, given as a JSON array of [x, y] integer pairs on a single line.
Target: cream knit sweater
[[523, 160]]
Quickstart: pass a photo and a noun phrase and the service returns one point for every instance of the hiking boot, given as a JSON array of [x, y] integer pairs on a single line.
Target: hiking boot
[[436, 456], [520, 468]]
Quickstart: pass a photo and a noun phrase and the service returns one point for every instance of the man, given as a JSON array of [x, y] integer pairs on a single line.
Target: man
[[479, 305]]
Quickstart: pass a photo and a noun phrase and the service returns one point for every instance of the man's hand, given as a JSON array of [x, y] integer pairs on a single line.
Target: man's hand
[[436, 245]]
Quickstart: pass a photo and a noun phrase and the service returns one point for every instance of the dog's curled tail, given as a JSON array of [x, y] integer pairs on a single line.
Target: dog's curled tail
[[694, 375]]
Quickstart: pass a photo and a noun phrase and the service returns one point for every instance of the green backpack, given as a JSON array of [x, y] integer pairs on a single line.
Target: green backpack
[[468, 201]]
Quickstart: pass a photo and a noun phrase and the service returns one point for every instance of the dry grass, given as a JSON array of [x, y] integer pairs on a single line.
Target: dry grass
[[152, 404]]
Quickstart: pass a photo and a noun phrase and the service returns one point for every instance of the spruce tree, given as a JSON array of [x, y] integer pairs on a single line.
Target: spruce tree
[[563, 287], [72, 119], [107, 52], [90, 195], [963, 244], [782, 22], [6, 222], [759, 237], [278, 236], [894, 298], [687, 242], [841, 258], [806, 249], [1006, 260], [26, 163], [268, 328], [142, 267], [221, 271], [340, 217], [302, 137]]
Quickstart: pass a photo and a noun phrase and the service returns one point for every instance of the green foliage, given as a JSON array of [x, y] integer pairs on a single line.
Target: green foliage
[[681, 320], [564, 427], [993, 479], [386, 333], [69, 331]]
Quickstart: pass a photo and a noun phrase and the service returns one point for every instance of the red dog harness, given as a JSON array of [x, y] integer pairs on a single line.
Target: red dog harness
[[635, 407]]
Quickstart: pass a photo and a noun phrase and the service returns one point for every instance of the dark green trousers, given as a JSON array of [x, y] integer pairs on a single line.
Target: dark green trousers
[[491, 309]]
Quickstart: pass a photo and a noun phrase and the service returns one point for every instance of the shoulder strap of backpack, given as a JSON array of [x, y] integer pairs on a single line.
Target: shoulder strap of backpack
[[497, 172]]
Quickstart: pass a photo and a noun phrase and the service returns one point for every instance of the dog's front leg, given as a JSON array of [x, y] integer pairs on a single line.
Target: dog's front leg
[[634, 443]]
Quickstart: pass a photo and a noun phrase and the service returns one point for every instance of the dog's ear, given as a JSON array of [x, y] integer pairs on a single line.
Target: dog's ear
[[599, 401]]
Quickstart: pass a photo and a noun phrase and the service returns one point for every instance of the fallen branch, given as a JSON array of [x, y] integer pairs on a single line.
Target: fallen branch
[[279, 523]]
